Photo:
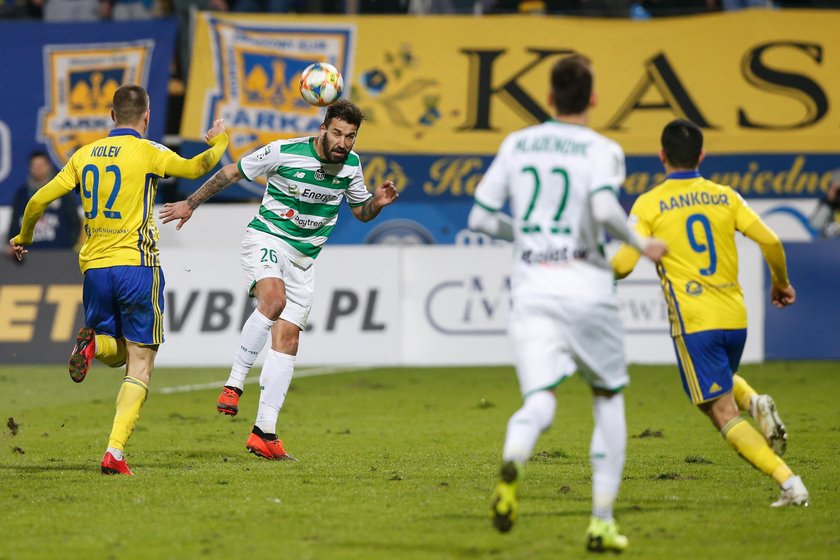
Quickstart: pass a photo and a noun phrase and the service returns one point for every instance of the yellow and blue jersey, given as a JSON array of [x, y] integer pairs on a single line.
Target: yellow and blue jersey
[[699, 276], [117, 178]]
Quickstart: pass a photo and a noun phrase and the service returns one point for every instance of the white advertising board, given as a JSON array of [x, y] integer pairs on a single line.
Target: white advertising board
[[354, 319], [378, 305], [456, 305]]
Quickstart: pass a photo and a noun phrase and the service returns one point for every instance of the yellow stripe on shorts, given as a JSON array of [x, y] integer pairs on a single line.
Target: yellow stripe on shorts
[[157, 326], [688, 371]]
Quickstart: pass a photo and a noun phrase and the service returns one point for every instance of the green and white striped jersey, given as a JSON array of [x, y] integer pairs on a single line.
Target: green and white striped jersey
[[303, 193]]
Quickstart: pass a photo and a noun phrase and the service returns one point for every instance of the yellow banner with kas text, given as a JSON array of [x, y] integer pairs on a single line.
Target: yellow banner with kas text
[[440, 93], [756, 81]]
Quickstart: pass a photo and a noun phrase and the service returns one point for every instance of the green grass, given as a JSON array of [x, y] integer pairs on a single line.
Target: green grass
[[399, 463]]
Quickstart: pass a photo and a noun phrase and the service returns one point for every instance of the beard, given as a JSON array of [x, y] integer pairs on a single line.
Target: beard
[[330, 155]]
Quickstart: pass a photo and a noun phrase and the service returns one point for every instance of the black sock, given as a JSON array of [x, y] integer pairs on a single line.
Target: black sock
[[263, 435], [237, 389]]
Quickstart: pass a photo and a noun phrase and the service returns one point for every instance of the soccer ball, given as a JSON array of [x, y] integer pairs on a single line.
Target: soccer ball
[[321, 84]]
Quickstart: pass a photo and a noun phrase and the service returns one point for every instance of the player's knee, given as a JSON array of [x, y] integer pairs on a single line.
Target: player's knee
[[541, 406], [272, 306]]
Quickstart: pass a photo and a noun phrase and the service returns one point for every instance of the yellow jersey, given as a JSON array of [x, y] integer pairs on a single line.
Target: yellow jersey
[[117, 178], [699, 276]]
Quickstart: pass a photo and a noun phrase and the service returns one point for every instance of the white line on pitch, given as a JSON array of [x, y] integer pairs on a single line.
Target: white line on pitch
[[254, 380]]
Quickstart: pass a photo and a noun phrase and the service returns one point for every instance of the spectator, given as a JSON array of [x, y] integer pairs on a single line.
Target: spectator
[[73, 10], [732, 5], [59, 227], [20, 9], [824, 220], [182, 9], [265, 6], [125, 10]]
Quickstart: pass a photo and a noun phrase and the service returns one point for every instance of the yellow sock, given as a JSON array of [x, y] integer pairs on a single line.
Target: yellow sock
[[130, 400], [110, 351], [741, 390], [750, 445]]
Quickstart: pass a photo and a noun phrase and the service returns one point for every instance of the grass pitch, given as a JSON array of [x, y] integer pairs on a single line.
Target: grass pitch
[[399, 463]]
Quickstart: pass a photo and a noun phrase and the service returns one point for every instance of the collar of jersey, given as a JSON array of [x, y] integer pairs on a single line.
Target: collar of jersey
[[563, 123], [693, 174], [124, 132]]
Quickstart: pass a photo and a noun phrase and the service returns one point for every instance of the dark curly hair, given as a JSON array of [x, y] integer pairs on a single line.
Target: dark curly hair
[[346, 111]]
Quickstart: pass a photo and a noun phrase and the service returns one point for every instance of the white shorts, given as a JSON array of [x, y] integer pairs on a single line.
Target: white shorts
[[553, 338], [266, 256]]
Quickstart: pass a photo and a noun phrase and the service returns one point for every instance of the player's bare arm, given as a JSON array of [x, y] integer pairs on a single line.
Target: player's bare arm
[[183, 209], [384, 195]]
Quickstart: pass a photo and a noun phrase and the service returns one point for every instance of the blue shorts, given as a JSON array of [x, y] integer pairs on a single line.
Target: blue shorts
[[125, 302], [708, 360]]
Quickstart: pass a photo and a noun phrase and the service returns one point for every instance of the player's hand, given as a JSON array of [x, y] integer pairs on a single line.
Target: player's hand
[[655, 249], [782, 297], [385, 194], [217, 128], [16, 251], [172, 211]]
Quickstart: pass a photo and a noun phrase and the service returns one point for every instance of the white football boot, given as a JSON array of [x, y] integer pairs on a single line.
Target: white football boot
[[763, 411], [795, 495]]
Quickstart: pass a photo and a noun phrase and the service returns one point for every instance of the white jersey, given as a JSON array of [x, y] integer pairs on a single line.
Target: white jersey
[[548, 172], [303, 193]]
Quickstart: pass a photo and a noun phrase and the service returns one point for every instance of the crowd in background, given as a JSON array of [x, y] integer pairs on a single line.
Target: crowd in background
[[91, 10]]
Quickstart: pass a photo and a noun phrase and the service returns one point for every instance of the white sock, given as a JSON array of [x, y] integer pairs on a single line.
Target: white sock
[[275, 379], [251, 342], [526, 425], [117, 453], [607, 452], [788, 483]]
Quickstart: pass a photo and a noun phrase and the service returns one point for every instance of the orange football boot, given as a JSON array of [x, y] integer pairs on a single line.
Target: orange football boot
[[271, 449], [110, 465], [229, 401]]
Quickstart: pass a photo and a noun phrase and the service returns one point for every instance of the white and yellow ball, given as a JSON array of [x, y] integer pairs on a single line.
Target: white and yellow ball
[[321, 84]]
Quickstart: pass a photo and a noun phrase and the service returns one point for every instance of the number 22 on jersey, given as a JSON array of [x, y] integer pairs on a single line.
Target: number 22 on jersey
[[557, 174]]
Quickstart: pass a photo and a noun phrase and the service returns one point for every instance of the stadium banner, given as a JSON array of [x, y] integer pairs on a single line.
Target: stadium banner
[[808, 329], [40, 307], [372, 306], [61, 79], [763, 87], [355, 316]]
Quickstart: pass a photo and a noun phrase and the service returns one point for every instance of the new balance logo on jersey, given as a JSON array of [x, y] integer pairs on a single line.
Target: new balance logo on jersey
[[300, 175]]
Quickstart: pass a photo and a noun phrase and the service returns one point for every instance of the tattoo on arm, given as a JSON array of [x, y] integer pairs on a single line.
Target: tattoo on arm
[[369, 211], [214, 185]]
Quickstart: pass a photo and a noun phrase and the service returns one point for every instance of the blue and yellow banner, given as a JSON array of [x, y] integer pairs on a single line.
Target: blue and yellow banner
[[59, 81], [440, 93]]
